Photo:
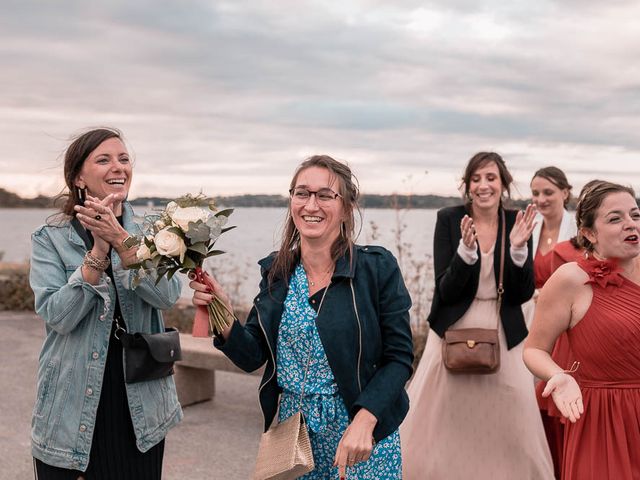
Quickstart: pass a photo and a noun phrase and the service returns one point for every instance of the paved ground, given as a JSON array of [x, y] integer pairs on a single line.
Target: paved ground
[[216, 440]]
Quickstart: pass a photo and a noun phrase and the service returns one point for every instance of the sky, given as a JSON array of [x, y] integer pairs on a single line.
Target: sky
[[228, 97]]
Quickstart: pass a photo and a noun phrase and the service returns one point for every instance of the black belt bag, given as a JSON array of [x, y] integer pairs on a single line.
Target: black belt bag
[[148, 356]]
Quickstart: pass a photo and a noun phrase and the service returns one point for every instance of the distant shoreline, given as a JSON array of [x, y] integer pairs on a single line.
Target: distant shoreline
[[12, 200]]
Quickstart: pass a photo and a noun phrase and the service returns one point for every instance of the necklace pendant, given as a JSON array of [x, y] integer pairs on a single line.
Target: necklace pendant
[[313, 284]]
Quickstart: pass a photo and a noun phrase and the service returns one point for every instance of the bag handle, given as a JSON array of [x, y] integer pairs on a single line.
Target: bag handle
[[503, 242]]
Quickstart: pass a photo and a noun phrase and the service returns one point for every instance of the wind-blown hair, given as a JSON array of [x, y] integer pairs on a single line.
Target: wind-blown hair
[[75, 156]]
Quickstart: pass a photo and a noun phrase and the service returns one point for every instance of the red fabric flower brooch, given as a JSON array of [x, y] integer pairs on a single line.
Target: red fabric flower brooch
[[604, 273]]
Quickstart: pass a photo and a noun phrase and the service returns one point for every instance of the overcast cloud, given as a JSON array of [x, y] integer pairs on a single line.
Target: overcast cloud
[[229, 96]]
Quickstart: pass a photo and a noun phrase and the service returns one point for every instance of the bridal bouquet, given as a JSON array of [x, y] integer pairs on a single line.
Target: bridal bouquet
[[179, 239]]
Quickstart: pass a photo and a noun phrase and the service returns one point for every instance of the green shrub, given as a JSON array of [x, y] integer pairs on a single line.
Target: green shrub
[[15, 292]]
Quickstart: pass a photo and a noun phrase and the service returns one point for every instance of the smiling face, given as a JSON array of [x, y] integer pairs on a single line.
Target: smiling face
[[485, 187], [107, 170], [547, 197], [317, 220], [615, 232]]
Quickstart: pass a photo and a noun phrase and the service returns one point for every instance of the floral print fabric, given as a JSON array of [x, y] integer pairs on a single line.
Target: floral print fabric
[[324, 410]]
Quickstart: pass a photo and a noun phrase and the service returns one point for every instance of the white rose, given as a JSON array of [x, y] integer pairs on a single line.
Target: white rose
[[159, 224], [143, 253], [182, 216], [170, 244], [170, 208]]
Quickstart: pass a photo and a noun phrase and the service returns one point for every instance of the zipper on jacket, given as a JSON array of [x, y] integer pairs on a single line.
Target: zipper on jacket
[[264, 332], [355, 308]]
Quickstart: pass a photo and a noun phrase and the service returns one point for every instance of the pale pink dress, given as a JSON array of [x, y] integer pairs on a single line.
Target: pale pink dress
[[474, 426]]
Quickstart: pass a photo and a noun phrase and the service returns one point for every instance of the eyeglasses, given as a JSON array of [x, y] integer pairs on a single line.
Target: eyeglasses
[[302, 195]]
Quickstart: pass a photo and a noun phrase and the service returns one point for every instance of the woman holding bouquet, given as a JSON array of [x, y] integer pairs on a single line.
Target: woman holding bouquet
[[87, 423], [331, 322], [466, 425]]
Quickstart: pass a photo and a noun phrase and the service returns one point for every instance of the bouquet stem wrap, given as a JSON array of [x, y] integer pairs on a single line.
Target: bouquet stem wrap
[[213, 317]]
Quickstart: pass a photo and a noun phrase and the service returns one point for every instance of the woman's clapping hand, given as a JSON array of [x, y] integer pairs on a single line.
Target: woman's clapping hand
[[522, 229]]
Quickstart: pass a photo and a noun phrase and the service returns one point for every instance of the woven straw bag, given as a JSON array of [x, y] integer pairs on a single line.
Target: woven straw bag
[[285, 451]]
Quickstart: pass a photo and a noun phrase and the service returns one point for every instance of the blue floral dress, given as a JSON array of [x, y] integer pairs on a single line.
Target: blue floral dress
[[323, 408]]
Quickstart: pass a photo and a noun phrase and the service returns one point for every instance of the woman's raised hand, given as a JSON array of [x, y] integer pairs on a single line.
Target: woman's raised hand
[[468, 231], [566, 394], [98, 217], [523, 227]]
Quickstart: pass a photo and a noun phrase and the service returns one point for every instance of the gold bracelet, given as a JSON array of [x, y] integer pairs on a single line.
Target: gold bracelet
[[95, 263]]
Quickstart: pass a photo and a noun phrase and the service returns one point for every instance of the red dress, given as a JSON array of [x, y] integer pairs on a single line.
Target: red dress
[[552, 419], [604, 444]]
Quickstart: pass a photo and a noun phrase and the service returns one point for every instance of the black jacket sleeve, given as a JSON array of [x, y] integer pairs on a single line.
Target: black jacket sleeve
[[451, 272]]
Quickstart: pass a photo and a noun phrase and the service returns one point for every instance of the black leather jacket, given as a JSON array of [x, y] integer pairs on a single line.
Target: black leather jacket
[[364, 328]]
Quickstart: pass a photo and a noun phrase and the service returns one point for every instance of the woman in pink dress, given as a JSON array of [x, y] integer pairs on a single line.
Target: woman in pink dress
[[597, 300], [485, 427]]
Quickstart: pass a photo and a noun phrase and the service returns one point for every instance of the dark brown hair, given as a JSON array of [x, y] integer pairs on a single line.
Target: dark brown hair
[[591, 197], [80, 148], [479, 160], [288, 255], [556, 177]]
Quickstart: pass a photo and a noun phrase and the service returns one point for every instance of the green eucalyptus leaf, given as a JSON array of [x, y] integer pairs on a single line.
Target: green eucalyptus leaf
[[225, 213], [177, 231], [213, 253], [199, 247], [189, 263], [198, 232]]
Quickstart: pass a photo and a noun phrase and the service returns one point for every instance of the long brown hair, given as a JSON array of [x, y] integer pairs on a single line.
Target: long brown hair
[[288, 254], [591, 197], [80, 148]]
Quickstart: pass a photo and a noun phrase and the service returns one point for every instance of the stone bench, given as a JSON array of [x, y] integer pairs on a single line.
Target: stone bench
[[195, 373]]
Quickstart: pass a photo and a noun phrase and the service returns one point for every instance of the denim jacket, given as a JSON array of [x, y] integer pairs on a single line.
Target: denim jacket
[[364, 329], [78, 319]]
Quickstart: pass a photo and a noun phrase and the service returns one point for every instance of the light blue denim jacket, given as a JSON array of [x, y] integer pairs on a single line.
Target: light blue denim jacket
[[78, 319]]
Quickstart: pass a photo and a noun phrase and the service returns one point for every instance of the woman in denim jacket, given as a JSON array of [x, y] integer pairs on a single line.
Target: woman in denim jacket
[[339, 312], [86, 419]]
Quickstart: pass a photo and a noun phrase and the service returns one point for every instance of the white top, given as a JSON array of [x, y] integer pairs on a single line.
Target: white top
[[567, 230]]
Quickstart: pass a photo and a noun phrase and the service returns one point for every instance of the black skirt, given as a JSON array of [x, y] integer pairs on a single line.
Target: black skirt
[[114, 454]]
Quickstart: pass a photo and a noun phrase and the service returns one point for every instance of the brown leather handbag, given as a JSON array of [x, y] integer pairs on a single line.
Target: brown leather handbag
[[476, 350]]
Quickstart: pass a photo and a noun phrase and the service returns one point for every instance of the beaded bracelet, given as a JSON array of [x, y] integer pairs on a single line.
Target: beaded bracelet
[[95, 263]]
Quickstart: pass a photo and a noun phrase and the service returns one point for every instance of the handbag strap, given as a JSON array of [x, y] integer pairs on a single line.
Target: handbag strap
[[503, 243], [306, 369]]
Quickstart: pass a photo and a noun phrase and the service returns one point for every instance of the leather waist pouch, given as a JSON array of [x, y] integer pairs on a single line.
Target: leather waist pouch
[[148, 356]]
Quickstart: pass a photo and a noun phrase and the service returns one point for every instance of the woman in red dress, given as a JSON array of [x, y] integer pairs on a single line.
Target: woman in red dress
[[597, 300]]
